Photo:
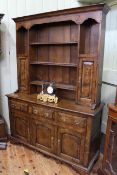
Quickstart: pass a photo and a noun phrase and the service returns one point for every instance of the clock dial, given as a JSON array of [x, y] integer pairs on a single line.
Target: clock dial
[[50, 89]]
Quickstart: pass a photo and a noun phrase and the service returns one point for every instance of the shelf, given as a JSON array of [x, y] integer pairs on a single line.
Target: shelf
[[53, 43], [53, 64], [58, 85]]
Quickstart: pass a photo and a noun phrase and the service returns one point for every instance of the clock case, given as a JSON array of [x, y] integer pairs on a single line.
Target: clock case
[[46, 86]]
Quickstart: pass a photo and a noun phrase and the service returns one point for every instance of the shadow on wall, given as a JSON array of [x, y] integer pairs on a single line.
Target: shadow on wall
[[3, 28], [8, 68], [108, 96]]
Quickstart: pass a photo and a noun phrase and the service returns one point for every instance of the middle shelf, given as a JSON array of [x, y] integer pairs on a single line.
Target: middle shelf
[[58, 85]]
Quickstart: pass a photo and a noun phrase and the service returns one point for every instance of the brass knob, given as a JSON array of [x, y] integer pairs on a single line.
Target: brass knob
[[77, 123], [35, 111]]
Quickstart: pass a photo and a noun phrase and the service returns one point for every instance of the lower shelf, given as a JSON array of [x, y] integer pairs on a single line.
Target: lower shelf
[[58, 85]]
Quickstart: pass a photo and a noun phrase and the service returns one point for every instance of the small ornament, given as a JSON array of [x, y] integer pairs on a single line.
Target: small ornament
[[26, 172], [46, 97], [48, 93]]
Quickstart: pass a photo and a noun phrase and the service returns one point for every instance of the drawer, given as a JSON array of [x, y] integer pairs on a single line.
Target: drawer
[[42, 112], [22, 106], [70, 119]]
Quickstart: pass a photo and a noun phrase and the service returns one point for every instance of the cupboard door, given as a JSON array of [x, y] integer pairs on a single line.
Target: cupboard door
[[20, 127], [70, 145], [42, 135], [23, 74], [87, 84]]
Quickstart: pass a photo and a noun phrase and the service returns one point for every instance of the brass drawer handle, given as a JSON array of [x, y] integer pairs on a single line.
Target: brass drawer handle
[[77, 123], [35, 111]]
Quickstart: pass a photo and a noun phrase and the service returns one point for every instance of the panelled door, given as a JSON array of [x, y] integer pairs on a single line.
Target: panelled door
[[20, 126], [70, 145], [42, 135]]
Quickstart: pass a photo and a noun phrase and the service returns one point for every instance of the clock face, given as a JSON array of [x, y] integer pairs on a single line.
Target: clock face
[[50, 90]]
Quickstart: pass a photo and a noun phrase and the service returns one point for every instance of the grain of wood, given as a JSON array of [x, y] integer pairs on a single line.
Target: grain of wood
[[17, 158]]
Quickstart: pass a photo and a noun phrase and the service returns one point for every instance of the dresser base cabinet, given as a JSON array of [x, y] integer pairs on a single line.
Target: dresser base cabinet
[[67, 134], [3, 133]]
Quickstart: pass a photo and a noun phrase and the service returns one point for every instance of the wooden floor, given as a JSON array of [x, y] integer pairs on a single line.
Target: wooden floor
[[17, 158]]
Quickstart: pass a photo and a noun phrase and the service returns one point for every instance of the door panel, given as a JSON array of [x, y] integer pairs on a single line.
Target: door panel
[[42, 135], [87, 81], [20, 127], [22, 74], [70, 145]]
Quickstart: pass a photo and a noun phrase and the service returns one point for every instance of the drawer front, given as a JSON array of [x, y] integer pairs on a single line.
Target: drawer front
[[42, 112], [70, 119], [21, 106]]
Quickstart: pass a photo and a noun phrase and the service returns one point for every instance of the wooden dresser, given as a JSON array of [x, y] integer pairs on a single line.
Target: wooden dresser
[[65, 47]]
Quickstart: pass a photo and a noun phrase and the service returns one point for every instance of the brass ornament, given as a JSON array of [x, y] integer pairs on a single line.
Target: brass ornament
[[47, 98]]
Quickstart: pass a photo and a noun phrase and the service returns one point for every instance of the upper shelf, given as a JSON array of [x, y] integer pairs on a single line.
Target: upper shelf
[[53, 64], [53, 43]]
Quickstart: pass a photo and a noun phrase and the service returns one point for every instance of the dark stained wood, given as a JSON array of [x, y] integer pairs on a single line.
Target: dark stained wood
[[65, 47], [23, 74], [54, 128], [99, 7], [71, 40], [109, 165], [3, 130]]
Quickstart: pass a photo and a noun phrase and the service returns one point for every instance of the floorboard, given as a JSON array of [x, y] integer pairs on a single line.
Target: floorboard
[[16, 158]]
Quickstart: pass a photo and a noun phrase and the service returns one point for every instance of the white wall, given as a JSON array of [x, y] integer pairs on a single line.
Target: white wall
[[110, 61], [8, 67]]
